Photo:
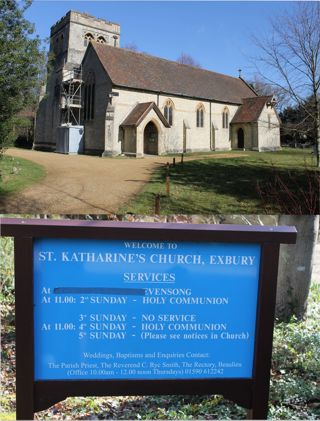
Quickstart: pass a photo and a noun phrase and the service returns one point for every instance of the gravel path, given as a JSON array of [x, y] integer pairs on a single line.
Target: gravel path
[[80, 184]]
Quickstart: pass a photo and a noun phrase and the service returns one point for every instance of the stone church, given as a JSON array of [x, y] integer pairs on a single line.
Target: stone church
[[105, 100]]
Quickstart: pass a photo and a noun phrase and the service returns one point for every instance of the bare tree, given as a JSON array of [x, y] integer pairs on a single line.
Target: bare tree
[[131, 46], [261, 87], [290, 59], [185, 58]]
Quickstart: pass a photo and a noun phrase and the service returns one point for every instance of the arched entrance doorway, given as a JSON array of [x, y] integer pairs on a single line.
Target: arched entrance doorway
[[240, 139], [150, 139]]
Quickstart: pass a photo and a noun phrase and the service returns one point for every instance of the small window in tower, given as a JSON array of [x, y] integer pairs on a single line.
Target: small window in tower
[[101, 39], [87, 38]]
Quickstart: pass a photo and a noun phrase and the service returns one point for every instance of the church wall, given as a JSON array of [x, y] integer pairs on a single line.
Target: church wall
[[68, 46], [79, 26], [184, 111], [123, 105], [48, 116], [222, 136], [96, 130], [255, 136], [162, 134], [198, 138], [250, 131], [67, 35], [129, 138], [269, 133]]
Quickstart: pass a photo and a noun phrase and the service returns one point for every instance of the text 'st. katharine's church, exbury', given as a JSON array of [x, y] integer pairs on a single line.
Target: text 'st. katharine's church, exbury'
[[105, 100]]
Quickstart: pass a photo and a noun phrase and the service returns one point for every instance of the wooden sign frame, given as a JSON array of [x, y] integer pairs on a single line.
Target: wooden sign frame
[[33, 396]]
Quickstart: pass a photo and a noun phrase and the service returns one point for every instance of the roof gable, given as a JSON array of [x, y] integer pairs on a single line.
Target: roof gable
[[140, 71], [250, 110], [140, 111]]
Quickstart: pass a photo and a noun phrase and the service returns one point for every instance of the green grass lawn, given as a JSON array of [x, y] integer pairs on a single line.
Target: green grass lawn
[[18, 173], [229, 185]]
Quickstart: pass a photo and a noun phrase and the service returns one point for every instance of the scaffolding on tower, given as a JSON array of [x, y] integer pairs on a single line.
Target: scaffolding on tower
[[70, 132], [71, 97]]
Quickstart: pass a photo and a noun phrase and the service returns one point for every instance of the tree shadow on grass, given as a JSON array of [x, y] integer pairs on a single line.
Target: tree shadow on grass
[[235, 184]]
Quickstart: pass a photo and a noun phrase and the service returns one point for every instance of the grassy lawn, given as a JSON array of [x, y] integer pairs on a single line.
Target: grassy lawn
[[227, 185], [18, 173]]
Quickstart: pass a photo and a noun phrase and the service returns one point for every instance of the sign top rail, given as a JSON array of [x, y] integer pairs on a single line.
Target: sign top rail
[[19, 227]]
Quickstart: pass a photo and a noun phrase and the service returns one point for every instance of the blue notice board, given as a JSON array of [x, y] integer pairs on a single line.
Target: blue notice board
[[111, 309]]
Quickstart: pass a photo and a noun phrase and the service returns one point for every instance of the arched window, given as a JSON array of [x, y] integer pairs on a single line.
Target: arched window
[[87, 38], [225, 118], [101, 39], [168, 111], [89, 97], [200, 115]]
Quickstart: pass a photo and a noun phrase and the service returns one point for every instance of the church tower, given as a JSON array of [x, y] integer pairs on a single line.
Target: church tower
[[71, 35], [62, 101]]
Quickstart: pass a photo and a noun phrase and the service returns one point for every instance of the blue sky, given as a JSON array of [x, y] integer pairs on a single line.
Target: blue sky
[[216, 34]]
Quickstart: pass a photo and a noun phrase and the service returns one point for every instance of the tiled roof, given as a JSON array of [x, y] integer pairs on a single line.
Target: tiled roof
[[140, 111], [250, 110], [140, 71]]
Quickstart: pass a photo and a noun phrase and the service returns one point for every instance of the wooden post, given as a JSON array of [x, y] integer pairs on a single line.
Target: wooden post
[[174, 162], [167, 168], [249, 414], [23, 258], [182, 158], [264, 333], [168, 185], [157, 204]]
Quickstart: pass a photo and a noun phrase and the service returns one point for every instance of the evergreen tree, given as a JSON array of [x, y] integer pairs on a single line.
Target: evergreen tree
[[21, 65]]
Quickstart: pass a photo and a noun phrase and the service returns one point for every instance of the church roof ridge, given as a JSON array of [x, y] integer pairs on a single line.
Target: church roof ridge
[[181, 64], [138, 70]]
